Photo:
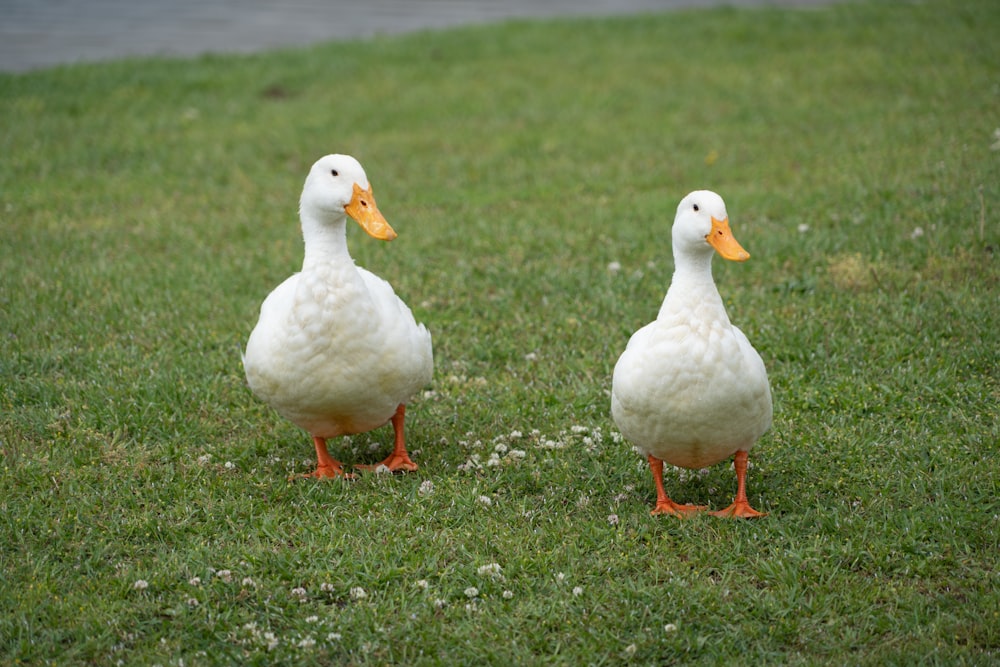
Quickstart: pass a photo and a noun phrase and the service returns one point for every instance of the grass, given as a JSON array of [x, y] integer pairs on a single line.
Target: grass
[[148, 206]]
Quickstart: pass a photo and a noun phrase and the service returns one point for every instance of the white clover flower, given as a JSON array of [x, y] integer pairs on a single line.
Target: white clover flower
[[577, 591], [507, 595], [204, 459], [229, 465], [614, 267], [493, 461], [670, 627], [472, 464], [631, 649], [516, 454], [140, 585], [272, 641], [423, 584], [576, 428], [225, 575], [560, 577], [439, 603], [307, 642], [195, 581], [382, 469], [486, 501], [514, 435], [803, 228], [192, 602], [613, 519], [500, 448], [531, 356], [492, 570], [312, 619], [471, 592], [917, 233], [299, 593], [358, 593], [326, 587], [247, 581], [334, 637], [426, 488]]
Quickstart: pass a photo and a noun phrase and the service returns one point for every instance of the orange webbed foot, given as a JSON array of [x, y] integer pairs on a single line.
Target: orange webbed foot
[[665, 505], [676, 509], [399, 460], [395, 462], [328, 472], [332, 471], [740, 509], [326, 466]]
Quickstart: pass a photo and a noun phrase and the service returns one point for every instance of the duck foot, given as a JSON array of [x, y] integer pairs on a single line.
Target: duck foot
[[740, 509], [675, 509], [665, 505], [394, 462], [330, 471], [399, 460], [326, 466]]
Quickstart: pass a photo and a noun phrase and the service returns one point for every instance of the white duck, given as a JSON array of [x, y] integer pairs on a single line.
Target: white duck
[[689, 388], [335, 351]]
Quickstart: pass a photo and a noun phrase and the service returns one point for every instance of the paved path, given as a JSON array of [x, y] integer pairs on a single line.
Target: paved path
[[42, 33]]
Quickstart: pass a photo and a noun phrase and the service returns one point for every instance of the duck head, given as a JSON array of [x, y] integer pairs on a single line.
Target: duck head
[[337, 185], [702, 225]]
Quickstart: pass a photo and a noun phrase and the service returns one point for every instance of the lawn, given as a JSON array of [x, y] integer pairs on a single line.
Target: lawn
[[532, 170]]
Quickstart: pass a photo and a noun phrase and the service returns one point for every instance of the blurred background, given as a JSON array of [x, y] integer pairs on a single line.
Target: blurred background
[[42, 33]]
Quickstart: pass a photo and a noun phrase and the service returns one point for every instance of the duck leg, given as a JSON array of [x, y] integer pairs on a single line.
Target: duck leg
[[398, 459], [741, 506], [326, 465], [665, 505]]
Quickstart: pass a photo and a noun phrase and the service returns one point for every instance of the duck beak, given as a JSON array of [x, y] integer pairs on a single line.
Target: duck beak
[[364, 211], [721, 238]]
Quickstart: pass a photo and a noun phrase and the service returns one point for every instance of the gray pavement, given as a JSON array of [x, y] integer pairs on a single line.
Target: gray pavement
[[43, 33]]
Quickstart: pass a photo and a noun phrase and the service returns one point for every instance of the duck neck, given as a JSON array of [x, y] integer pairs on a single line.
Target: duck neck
[[692, 284], [325, 239]]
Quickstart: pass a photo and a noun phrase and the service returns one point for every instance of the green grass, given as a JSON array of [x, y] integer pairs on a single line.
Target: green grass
[[148, 206]]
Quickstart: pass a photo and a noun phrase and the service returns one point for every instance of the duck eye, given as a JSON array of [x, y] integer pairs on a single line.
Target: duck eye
[[696, 207], [333, 172]]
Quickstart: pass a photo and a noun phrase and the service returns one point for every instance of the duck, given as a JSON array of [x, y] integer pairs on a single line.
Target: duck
[[689, 389], [334, 350]]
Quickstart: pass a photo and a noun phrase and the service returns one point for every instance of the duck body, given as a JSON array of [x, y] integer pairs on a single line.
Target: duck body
[[335, 351], [690, 389]]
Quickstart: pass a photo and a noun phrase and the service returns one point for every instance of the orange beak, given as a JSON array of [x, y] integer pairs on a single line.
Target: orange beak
[[364, 211], [721, 238]]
